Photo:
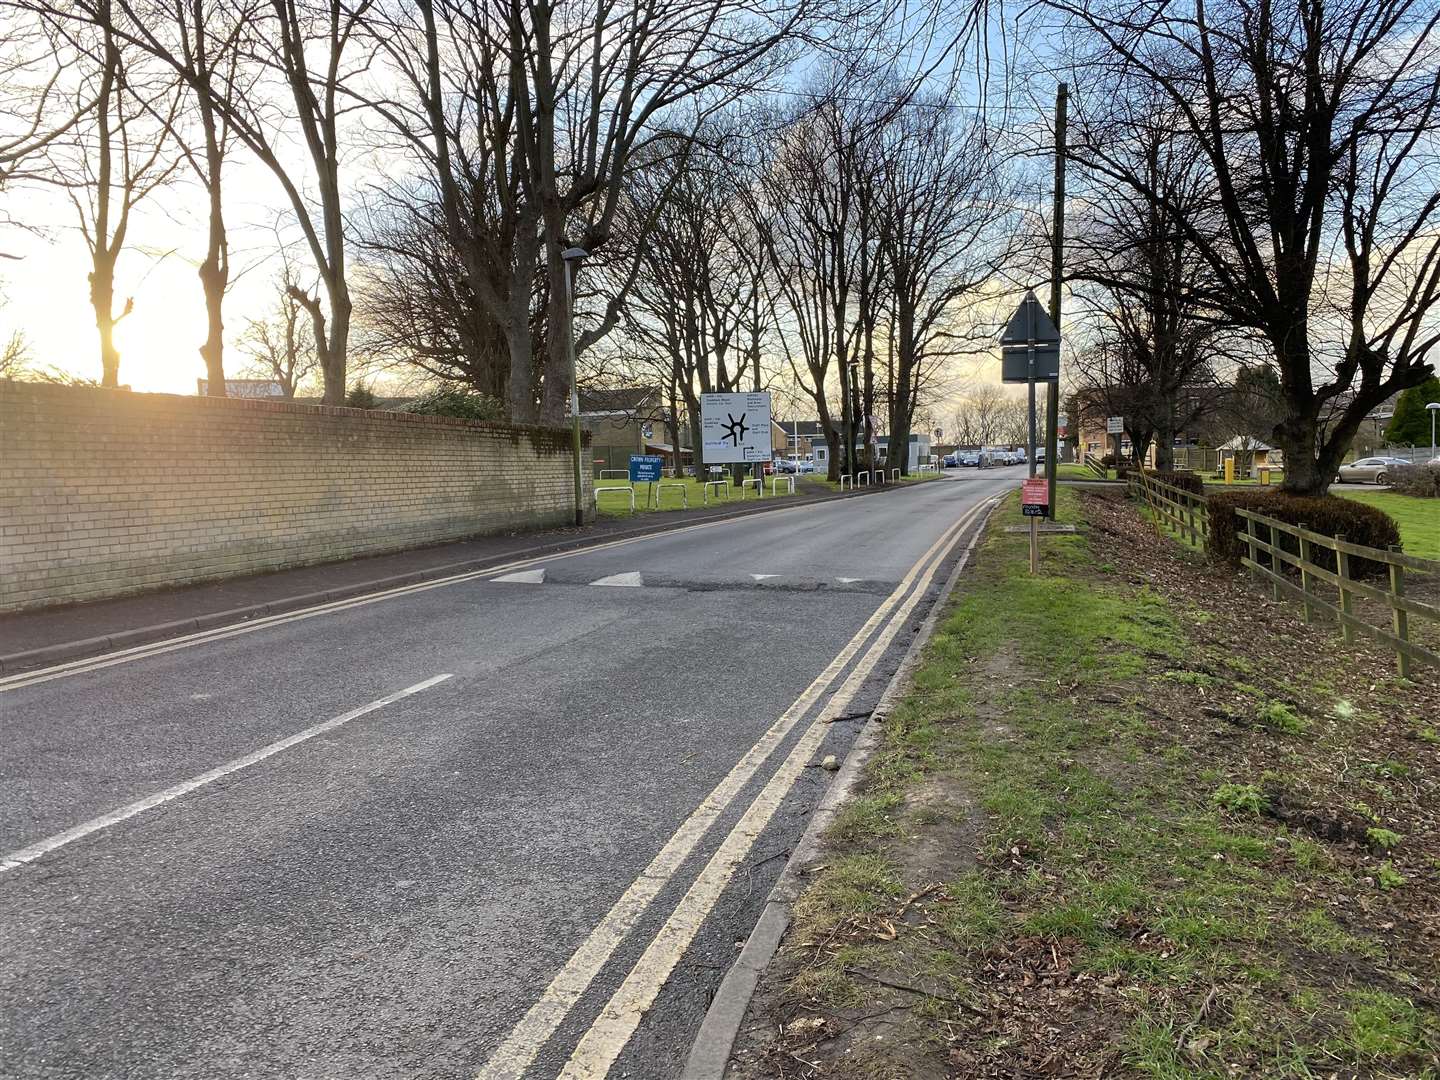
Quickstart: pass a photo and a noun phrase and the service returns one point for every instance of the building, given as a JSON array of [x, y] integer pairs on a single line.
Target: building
[[919, 452], [629, 420]]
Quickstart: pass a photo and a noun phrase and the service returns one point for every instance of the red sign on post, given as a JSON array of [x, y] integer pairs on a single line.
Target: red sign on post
[[1035, 497]]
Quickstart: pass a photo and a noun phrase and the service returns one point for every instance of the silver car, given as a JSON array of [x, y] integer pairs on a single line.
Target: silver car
[[1369, 470]]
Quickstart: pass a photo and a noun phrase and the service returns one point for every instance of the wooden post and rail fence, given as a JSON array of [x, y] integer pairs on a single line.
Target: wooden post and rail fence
[[1266, 556]]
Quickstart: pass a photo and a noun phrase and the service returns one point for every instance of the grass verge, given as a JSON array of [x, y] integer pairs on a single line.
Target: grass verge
[[1108, 835], [1419, 519]]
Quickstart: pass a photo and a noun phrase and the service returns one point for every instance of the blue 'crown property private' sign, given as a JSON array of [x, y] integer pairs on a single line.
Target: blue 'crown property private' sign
[[645, 469]]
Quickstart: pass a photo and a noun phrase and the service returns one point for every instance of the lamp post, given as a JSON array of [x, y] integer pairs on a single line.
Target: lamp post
[[1432, 409], [571, 257]]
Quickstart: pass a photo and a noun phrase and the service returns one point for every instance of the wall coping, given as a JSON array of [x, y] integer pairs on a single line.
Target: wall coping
[[200, 402]]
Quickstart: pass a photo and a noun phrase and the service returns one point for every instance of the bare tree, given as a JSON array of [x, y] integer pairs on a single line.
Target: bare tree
[[280, 346], [945, 221], [202, 43], [1315, 127], [112, 161], [1140, 277], [696, 313]]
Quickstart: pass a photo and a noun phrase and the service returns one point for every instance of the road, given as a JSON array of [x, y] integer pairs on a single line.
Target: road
[[508, 825]]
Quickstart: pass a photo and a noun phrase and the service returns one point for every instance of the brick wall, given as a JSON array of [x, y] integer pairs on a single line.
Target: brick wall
[[105, 492]]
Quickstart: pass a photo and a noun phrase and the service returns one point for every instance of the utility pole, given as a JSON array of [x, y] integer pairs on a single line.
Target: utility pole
[[1057, 265], [571, 257]]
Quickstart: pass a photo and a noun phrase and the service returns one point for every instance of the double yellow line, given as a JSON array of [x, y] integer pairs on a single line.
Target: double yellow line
[[602, 1043]]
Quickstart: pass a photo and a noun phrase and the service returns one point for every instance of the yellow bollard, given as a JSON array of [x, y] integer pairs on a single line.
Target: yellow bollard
[[1229, 470]]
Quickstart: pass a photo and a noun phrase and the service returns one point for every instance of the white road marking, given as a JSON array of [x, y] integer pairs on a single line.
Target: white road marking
[[632, 580], [250, 626], [607, 1037], [59, 840], [602, 1044], [848, 580], [524, 577], [762, 577], [520, 1048]]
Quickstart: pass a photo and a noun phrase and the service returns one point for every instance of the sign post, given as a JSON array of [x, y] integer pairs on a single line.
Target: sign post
[[646, 469], [1030, 353], [1115, 425], [735, 429]]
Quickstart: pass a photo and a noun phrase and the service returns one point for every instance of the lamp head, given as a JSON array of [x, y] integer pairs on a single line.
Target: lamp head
[[571, 254]]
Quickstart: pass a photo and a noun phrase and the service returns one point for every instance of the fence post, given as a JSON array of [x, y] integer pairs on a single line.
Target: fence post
[[1304, 572], [1399, 617], [1347, 603], [1250, 538], [1190, 511], [1276, 566]]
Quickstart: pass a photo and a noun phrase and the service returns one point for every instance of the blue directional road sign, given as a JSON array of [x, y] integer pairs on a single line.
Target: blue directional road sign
[[645, 469]]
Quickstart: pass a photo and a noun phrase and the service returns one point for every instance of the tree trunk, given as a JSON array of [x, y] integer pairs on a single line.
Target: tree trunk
[[215, 270], [1164, 447], [102, 299], [214, 274]]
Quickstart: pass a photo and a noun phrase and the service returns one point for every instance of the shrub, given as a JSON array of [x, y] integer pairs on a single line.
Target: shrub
[[1182, 479], [458, 401], [1239, 798], [1281, 717], [1328, 515], [1384, 839], [1108, 461], [1421, 480]]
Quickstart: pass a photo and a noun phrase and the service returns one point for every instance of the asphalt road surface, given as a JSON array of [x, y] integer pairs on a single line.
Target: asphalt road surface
[[514, 824]]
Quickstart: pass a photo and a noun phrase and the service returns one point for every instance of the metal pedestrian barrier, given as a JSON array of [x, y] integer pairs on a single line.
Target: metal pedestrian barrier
[[673, 485], [626, 489]]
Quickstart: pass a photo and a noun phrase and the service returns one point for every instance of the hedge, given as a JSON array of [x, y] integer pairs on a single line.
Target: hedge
[[1421, 480], [1182, 479], [1328, 515]]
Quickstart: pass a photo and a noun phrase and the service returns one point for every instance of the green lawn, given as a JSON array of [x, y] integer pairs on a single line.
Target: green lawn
[[617, 506], [1071, 471], [1419, 519]]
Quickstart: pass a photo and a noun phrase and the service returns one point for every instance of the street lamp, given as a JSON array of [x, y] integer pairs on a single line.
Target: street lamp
[[1432, 409], [572, 256]]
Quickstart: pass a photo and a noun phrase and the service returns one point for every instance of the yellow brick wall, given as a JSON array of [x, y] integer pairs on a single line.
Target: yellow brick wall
[[104, 492]]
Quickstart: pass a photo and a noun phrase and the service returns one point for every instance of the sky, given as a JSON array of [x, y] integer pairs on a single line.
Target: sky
[[44, 287]]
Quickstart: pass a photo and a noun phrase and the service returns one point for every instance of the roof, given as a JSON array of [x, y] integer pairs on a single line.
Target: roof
[[620, 399], [805, 429]]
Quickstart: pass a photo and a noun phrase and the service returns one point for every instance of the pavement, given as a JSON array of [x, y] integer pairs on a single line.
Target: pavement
[[504, 824]]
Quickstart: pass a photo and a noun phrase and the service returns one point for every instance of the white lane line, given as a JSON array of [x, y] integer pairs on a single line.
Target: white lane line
[[632, 580], [524, 577], [59, 840], [762, 577], [525, 1041], [848, 580], [602, 1044]]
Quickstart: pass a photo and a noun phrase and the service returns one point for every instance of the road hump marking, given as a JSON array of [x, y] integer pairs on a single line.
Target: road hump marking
[[631, 580], [523, 577]]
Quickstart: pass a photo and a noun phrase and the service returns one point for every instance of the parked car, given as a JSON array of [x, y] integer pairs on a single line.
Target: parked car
[[950, 461], [1370, 470]]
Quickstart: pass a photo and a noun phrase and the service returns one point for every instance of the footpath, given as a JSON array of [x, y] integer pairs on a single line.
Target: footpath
[[54, 635], [1132, 819]]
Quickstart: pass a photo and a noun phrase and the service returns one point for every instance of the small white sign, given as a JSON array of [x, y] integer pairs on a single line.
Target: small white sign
[[1115, 425], [734, 427]]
